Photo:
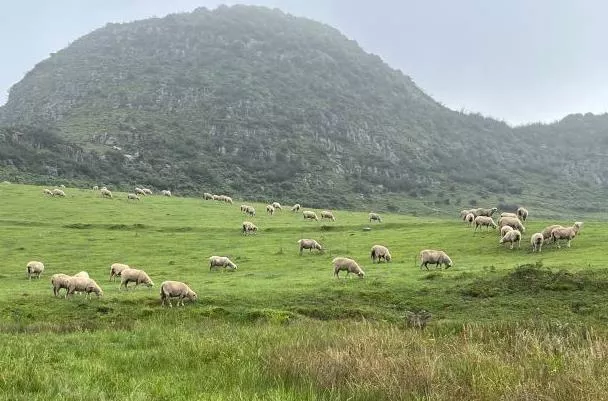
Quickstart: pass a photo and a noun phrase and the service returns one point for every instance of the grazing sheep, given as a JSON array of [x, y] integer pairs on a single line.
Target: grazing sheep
[[326, 214], [505, 214], [47, 191], [504, 230], [277, 205], [522, 213], [249, 227], [511, 237], [244, 208], [480, 211], [270, 209], [34, 268], [375, 216], [309, 244], [310, 215], [166, 192], [95, 188], [116, 269], [106, 193], [484, 221], [134, 275], [132, 196], [296, 207], [469, 218], [147, 191], [347, 264], [139, 191], [62, 186], [58, 192], [432, 256], [83, 284], [175, 289], [221, 261], [227, 199], [207, 196], [250, 211], [380, 252], [81, 274], [514, 222], [216, 197], [565, 233], [537, 242], [59, 281], [465, 212]]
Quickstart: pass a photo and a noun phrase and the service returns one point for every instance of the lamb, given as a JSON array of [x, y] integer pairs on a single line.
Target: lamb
[[81, 274], [537, 242], [277, 205], [47, 191], [511, 237], [250, 211], [380, 252], [484, 212], [83, 284], [147, 191], [505, 230], [505, 214], [484, 221], [522, 213], [296, 207], [513, 222], [166, 192], [106, 193], [132, 196], [221, 261], [139, 191], [309, 244], [436, 257], [326, 214], [270, 209], [310, 215], [565, 233], [59, 281], [470, 218], [249, 227], [374, 216], [35, 269], [347, 264], [207, 196], [134, 275], [58, 192], [116, 270], [227, 199], [175, 289]]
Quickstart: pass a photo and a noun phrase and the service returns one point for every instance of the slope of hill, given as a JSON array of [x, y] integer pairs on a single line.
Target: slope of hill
[[255, 102]]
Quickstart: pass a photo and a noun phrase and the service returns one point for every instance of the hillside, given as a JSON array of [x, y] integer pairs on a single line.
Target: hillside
[[263, 105]]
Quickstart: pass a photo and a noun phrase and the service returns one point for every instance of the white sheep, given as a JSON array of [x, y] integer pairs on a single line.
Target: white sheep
[[147, 191], [504, 230], [34, 269], [547, 231], [309, 244], [480, 211], [207, 196], [47, 191], [106, 193], [465, 212], [522, 213], [277, 206], [175, 289], [270, 209], [227, 199], [513, 222], [58, 192], [470, 218], [349, 265], [296, 207], [139, 191], [244, 208], [116, 269], [327, 214], [62, 186], [83, 284], [438, 258], [380, 252], [565, 233], [165, 192], [511, 237], [310, 215], [249, 227], [374, 216], [81, 274], [507, 214], [484, 221], [132, 196], [537, 242], [221, 261], [250, 210], [135, 275], [59, 281], [95, 188], [216, 197]]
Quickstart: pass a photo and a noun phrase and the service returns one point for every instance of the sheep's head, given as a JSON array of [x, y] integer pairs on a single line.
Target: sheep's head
[[388, 257], [361, 273], [192, 295]]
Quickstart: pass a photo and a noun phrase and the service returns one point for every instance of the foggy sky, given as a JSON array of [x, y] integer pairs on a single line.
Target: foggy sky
[[519, 60]]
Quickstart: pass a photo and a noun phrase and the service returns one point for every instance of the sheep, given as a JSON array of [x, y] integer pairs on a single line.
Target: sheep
[[277, 206], [547, 231], [270, 209], [83, 284], [175, 289], [47, 191], [309, 244], [537, 242], [513, 222], [347, 264], [58, 192], [374, 216], [139, 191], [221, 261], [104, 187], [565, 233], [511, 237], [134, 275], [465, 212], [59, 281], [504, 230], [522, 213], [505, 214], [310, 215], [116, 269], [480, 211], [326, 214], [166, 192], [147, 191], [132, 196], [244, 208], [380, 252], [34, 268], [250, 210], [227, 199], [106, 193], [207, 196], [469, 218], [62, 186], [95, 188], [436, 257], [81, 274], [296, 207], [249, 227], [481, 221], [215, 197]]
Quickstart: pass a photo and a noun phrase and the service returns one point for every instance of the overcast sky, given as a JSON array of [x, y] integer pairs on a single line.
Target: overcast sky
[[518, 60]]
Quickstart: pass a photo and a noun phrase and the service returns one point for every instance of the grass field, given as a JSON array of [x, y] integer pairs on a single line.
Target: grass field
[[507, 324]]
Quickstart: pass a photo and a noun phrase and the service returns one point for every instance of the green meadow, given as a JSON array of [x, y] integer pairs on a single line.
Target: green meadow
[[506, 324]]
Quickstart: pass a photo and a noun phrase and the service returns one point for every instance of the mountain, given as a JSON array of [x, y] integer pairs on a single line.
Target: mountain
[[260, 104]]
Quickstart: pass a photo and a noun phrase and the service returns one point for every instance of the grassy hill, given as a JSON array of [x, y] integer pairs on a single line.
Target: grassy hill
[[506, 323]]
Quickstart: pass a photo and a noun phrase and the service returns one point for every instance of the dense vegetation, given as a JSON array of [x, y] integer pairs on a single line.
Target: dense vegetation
[[253, 102]]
